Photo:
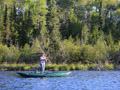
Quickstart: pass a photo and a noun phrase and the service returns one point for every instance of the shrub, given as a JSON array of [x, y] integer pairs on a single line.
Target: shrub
[[14, 54], [100, 51], [26, 67], [4, 53], [87, 54], [25, 54], [81, 67], [72, 67], [71, 50], [109, 66], [50, 66], [56, 68], [65, 67]]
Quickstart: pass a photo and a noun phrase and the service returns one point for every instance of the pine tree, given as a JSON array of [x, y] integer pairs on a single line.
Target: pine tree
[[26, 29], [13, 25], [53, 25], [1, 25], [38, 11], [101, 15], [74, 26], [6, 23]]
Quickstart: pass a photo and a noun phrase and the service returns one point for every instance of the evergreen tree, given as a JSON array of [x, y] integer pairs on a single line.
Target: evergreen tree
[[7, 38], [113, 24], [38, 10], [13, 25], [53, 25], [101, 15], [1, 25], [25, 33]]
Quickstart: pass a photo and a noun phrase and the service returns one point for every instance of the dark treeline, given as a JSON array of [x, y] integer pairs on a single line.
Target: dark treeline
[[68, 31]]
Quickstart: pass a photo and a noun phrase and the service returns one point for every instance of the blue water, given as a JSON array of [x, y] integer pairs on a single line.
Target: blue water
[[77, 80]]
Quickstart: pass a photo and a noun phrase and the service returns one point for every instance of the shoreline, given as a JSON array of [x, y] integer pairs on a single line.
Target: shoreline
[[59, 67]]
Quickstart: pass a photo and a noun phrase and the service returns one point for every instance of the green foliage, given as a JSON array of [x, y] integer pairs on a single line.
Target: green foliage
[[0, 38], [4, 53], [49, 66], [109, 66], [14, 54], [64, 67], [94, 35], [25, 53], [116, 48], [68, 31], [87, 54], [100, 51], [94, 20], [84, 35], [71, 50], [56, 68], [26, 67], [66, 3], [74, 25], [72, 67]]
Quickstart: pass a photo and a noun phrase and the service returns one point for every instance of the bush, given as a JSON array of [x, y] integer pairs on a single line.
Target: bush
[[72, 67], [65, 67], [56, 68], [109, 66], [25, 54], [26, 67], [14, 54], [4, 53], [49, 66], [87, 54], [71, 50], [100, 51], [81, 67]]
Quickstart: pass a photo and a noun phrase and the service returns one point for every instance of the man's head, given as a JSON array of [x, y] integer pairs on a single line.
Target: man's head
[[42, 53]]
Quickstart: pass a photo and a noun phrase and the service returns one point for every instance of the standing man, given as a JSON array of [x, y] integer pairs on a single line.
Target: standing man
[[42, 62]]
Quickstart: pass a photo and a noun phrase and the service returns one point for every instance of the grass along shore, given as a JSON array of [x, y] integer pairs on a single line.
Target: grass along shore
[[55, 67]]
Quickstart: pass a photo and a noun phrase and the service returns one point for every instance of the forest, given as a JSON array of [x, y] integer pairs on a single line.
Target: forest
[[68, 31]]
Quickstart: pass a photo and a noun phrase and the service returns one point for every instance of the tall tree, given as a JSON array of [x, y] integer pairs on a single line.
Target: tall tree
[[38, 10], [7, 38], [53, 25], [74, 26], [13, 24], [101, 15]]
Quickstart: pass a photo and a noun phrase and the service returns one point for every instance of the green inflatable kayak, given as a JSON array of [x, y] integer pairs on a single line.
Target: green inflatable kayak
[[55, 74]]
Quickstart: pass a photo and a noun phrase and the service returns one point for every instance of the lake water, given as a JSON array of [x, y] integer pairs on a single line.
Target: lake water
[[77, 80]]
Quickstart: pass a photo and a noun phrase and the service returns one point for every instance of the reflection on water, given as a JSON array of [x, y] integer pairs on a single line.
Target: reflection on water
[[77, 80]]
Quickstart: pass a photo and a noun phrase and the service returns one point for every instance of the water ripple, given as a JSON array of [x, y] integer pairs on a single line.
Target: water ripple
[[77, 80]]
